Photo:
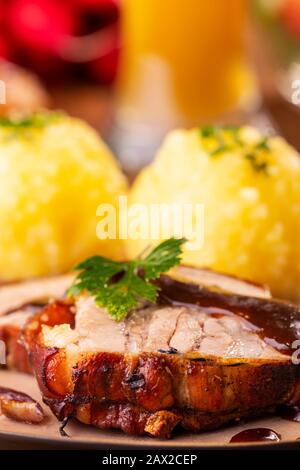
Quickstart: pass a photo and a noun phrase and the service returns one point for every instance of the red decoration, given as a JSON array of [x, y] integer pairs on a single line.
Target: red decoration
[[3, 48], [99, 5], [40, 24], [105, 68], [290, 14], [56, 38]]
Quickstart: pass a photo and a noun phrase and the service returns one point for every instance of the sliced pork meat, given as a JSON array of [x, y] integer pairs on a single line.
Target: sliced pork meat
[[218, 281], [185, 330], [196, 359], [21, 299]]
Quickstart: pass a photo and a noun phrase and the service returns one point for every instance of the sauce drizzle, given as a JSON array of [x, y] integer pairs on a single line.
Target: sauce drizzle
[[256, 435], [276, 322]]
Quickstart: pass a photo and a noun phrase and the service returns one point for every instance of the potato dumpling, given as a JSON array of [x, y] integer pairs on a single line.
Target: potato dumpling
[[54, 172], [250, 188]]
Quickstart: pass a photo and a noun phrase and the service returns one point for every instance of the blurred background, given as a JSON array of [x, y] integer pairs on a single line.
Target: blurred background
[[136, 68]]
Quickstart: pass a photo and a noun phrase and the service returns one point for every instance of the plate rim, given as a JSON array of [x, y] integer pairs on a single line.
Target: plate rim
[[153, 443]]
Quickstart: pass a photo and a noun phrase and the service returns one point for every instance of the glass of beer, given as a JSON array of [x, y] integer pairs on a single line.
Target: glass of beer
[[183, 64]]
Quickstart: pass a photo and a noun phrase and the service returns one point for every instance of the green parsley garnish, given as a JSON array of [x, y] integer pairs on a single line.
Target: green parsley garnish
[[258, 166], [119, 286], [36, 120], [222, 139], [208, 131]]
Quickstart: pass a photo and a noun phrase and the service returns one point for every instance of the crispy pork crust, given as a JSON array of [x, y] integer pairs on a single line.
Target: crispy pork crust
[[153, 392], [16, 354], [138, 421], [21, 299]]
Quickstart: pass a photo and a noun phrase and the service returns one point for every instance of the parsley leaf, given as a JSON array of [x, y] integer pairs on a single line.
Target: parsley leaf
[[218, 140], [162, 258], [207, 131], [119, 286], [34, 121]]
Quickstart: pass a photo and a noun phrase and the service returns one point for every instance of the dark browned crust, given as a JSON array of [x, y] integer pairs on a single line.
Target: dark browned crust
[[12, 335], [125, 391], [138, 421], [11, 331], [16, 354]]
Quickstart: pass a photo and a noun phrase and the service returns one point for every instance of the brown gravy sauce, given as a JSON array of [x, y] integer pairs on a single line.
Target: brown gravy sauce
[[276, 322], [256, 435]]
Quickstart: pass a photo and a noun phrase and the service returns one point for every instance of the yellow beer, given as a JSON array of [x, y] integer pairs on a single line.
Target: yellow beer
[[183, 63]]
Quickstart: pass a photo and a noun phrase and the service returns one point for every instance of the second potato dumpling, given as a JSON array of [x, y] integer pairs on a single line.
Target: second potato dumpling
[[249, 186]]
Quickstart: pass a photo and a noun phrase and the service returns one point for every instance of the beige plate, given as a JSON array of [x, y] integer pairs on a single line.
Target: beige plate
[[82, 436]]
